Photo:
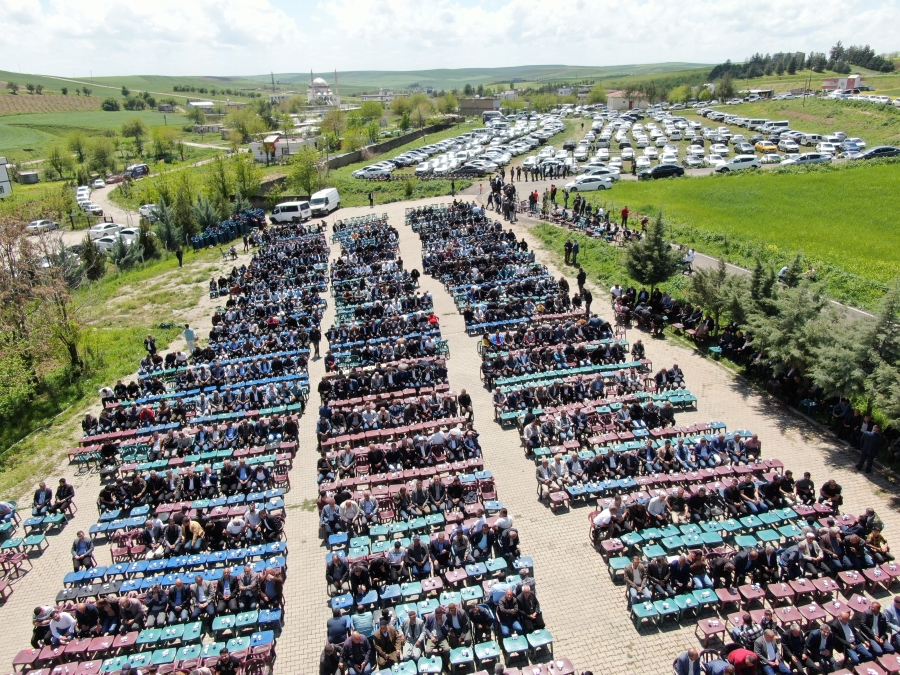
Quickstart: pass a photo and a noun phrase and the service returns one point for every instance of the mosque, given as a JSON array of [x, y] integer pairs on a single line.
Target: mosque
[[320, 93]]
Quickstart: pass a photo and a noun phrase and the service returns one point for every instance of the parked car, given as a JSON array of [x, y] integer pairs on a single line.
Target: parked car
[[103, 229], [148, 211], [880, 151], [808, 158], [661, 171], [713, 160], [824, 146], [610, 173], [771, 158], [36, 226], [590, 183], [129, 234], [787, 145], [105, 244], [766, 146], [692, 162], [642, 162], [738, 163], [99, 183], [91, 209], [469, 170]]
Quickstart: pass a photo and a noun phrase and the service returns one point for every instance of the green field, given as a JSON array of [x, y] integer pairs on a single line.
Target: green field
[[25, 137], [843, 219], [876, 124]]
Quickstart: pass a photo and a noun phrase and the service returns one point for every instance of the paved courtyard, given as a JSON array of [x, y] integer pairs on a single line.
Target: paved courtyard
[[583, 609]]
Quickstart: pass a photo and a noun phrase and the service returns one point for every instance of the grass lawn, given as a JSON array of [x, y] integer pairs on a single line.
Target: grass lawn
[[843, 219]]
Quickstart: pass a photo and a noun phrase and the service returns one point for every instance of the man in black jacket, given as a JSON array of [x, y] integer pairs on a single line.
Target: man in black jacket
[[874, 626], [850, 640], [793, 649], [65, 493], [820, 648], [529, 610]]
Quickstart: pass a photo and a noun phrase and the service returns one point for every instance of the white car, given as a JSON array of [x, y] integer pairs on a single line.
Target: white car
[[103, 229], [91, 209], [771, 158], [651, 153], [424, 169], [129, 234], [99, 183], [372, 172], [696, 150], [602, 155], [661, 142], [105, 244], [826, 147], [643, 162], [787, 145], [627, 153], [720, 149], [609, 172], [581, 154], [714, 160], [148, 211], [36, 226], [669, 159], [589, 184], [670, 149], [860, 143], [737, 163], [808, 158]]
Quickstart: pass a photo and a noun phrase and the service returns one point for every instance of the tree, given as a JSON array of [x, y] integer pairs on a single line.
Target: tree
[[168, 232], [451, 103], [704, 95], [102, 156], [247, 174], [794, 272], [680, 94], [196, 116], [404, 122], [792, 66], [86, 91], [246, 122], [60, 159], [39, 89], [419, 116], [597, 94], [125, 256], [13, 87], [400, 105], [334, 122], [218, 185], [373, 131], [109, 105], [182, 202], [137, 131], [304, 173], [163, 141], [370, 111], [762, 283], [204, 214], [235, 140], [354, 139], [30, 88], [651, 260], [148, 242], [64, 91], [725, 87], [125, 92], [712, 289]]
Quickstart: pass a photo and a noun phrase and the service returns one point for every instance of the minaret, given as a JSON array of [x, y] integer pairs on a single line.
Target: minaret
[[337, 93]]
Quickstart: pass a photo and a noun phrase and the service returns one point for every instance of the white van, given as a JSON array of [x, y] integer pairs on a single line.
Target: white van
[[811, 139], [291, 212], [754, 125], [325, 201], [780, 125]]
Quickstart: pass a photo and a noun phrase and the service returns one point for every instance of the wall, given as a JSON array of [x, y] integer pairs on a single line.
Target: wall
[[385, 146]]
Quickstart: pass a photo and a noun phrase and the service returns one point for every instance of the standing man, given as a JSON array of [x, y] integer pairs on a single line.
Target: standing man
[[587, 297], [871, 444], [179, 253], [371, 200], [625, 216], [189, 336], [581, 278], [150, 345], [575, 250], [315, 337], [567, 249]]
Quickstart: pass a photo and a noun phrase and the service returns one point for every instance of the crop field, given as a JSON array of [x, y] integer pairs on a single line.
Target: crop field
[[23, 102], [843, 219]]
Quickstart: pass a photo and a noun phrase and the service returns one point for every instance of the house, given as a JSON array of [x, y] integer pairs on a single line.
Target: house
[[508, 95], [383, 96], [477, 105], [275, 147], [564, 91], [203, 106], [207, 128], [618, 100], [842, 83], [165, 108], [281, 97]]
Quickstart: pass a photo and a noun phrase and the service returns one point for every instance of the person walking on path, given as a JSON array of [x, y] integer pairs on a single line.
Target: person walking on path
[[179, 253], [189, 336], [150, 345], [246, 243], [870, 445], [581, 278], [452, 188], [625, 216], [587, 297], [315, 336], [371, 200], [575, 249]]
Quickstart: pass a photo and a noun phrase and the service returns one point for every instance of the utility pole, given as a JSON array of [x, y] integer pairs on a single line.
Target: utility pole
[[273, 82]]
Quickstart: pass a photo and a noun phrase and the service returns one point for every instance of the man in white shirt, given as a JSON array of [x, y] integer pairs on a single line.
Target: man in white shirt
[[62, 627], [505, 521], [350, 514], [658, 509]]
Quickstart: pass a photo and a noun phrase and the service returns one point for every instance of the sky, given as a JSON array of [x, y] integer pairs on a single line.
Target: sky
[[71, 38]]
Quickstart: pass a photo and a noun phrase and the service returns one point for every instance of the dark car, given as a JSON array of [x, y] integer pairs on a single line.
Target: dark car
[[624, 144], [469, 171], [661, 171], [569, 145], [880, 151]]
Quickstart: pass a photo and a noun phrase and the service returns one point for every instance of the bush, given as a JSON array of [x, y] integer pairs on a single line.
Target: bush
[[110, 104], [408, 187]]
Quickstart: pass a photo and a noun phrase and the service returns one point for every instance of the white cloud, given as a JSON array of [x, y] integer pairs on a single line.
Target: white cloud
[[242, 37]]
